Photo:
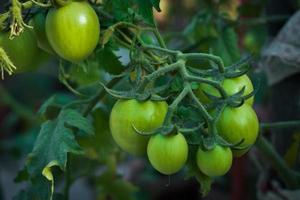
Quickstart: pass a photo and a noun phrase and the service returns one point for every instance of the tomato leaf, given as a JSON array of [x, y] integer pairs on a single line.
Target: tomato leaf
[[226, 46], [145, 9], [109, 61], [56, 139], [39, 188], [102, 145]]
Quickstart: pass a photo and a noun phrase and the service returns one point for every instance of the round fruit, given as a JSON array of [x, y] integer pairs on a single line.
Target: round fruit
[[237, 124], [144, 116], [231, 86], [73, 30], [214, 162], [22, 50], [167, 154], [39, 27]]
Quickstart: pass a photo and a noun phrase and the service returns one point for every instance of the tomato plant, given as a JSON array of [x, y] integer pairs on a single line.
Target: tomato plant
[[73, 30], [129, 114], [214, 162], [167, 154]]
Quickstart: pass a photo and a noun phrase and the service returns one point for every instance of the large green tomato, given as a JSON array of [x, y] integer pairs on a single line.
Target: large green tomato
[[39, 27], [145, 116], [73, 30], [231, 86], [22, 50], [214, 162], [239, 123], [167, 154]]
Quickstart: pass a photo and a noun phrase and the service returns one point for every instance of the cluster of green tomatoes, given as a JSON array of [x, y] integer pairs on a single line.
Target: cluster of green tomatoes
[[169, 153], [70, 32]]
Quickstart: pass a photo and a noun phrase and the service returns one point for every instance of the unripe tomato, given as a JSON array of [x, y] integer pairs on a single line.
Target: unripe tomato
[[167, 154], [39, 27], [214, 162], [145, 116], [231, 86], [239, 123], [22, 50], [73, 30]]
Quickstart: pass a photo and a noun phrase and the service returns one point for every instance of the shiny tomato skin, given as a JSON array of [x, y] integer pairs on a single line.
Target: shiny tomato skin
[[231, 86], [22, 50], [73, 30], [167, 154], [145, 116], [239, 123], [214, 162]]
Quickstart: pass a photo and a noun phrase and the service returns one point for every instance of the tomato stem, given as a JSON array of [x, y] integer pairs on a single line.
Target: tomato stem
[[290, 177]]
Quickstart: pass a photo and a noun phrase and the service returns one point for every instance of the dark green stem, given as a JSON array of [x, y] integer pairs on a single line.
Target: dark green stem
[[211, 57], [291, 178], [173, 106], [95, 99], [67, 178], [283, 124]]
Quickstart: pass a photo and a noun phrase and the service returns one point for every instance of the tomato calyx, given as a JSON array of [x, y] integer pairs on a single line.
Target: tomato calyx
[[6, 64], [145, 96], [60, 3]]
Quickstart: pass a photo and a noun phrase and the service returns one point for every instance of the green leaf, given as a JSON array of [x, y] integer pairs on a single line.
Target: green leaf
[[86, 73], [155, 4], [102, 145], [145, 9], [109, 61], [52, 106], [55, 140], [38, 189], [226, 46]]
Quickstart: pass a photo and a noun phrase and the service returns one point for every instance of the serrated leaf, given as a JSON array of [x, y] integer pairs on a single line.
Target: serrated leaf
[[51, 107], [109, 61], [102, 145], [38, 189], [145, 9], [56, 139]]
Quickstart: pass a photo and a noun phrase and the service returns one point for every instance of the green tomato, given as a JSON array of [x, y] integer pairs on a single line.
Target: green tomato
[[214, 162], [73, 30], [144, 116], [237, 124], [39, 27], [22, 50], [167, 154], [231, 86]]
